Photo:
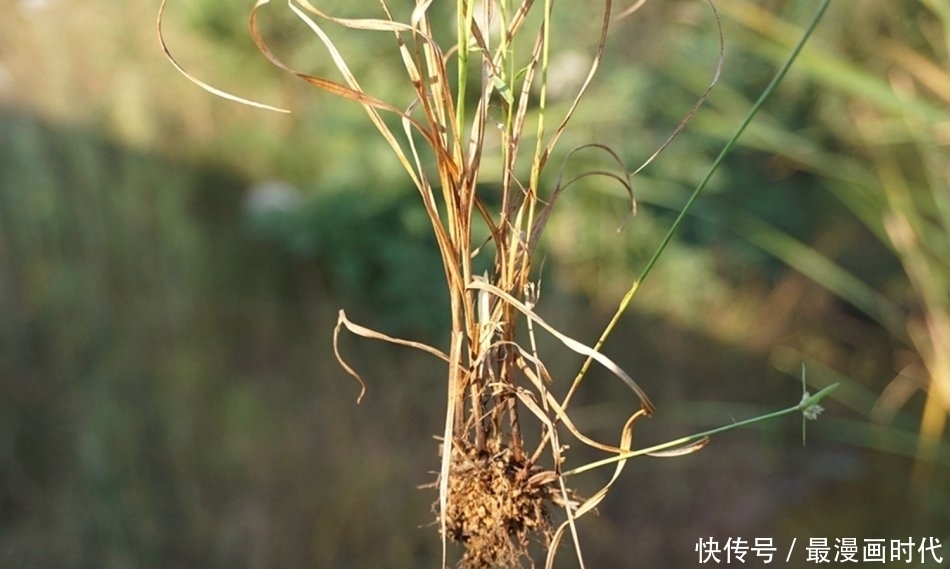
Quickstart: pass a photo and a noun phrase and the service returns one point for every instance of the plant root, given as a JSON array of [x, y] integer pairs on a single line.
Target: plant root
[[497, 506]]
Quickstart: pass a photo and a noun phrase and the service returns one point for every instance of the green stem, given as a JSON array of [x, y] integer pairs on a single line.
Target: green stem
[[799, 407], [735, 137], [628, 297]]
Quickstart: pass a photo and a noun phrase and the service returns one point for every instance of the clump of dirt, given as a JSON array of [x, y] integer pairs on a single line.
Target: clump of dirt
[[497, 506]]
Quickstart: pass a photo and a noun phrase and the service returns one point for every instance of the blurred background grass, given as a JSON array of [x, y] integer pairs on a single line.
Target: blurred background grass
[[171, 265]]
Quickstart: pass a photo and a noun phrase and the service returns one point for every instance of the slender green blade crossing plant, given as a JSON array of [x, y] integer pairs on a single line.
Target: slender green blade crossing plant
[[885, 161]]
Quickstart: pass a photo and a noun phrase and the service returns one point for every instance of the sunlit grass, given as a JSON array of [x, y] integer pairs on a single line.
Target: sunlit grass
[[494, 491], [93, 251]]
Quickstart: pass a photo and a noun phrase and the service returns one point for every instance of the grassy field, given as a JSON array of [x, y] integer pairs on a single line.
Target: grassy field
[[170, 393]]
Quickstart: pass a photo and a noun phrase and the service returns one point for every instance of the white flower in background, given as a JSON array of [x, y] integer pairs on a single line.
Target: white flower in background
[[566, 74], [271, 196]]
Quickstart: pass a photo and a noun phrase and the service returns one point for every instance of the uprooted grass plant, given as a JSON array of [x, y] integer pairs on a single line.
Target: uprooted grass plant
[[504, 488]]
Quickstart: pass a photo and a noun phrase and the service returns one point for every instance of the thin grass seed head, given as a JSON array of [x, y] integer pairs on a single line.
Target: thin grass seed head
[[810, 412], [810, 409]]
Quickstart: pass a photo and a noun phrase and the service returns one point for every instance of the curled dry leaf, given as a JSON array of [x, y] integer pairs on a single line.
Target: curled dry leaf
[[207, 87], [342, 321]]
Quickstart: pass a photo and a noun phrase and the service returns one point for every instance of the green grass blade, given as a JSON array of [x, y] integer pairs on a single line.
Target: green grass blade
[[769, 89]]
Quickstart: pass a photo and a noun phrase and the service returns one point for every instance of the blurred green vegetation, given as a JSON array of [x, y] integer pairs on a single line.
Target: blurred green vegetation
[[169, 393]]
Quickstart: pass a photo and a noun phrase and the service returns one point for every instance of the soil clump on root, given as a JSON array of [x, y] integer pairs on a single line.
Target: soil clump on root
[[497, 506]]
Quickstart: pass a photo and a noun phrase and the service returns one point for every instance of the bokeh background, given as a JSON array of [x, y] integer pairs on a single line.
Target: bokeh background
[[171, 265]]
